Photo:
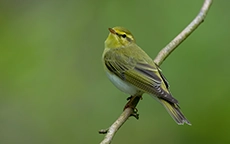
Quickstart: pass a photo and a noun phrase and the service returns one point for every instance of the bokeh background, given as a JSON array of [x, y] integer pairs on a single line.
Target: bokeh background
[[53, 89]]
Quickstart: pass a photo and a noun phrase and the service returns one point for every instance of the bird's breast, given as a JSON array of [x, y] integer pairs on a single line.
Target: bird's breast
[[121, 84]]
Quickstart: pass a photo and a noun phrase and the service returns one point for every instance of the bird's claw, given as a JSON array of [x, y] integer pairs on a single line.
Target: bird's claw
[[135, 114]]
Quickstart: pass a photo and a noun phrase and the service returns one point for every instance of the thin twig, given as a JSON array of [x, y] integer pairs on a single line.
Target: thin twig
[[165, 52], [162, 55]]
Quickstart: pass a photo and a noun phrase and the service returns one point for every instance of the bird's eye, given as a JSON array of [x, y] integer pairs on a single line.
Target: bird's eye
[[124, 35]]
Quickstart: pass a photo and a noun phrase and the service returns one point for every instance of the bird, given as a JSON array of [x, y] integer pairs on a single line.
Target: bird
[[133, 72]]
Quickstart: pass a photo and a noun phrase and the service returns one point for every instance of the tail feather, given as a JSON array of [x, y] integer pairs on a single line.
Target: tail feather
[[174, 111]]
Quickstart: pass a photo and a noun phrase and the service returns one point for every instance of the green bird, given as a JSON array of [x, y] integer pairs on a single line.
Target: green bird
[[132, 71]]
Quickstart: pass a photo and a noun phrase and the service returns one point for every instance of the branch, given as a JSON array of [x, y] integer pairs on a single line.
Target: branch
[[166, 51], [162, 55]]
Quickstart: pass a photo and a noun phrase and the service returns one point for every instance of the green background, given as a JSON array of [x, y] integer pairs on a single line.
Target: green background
[[53, 89]]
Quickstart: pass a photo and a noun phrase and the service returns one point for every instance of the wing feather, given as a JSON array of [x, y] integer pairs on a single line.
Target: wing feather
[[140, 73]]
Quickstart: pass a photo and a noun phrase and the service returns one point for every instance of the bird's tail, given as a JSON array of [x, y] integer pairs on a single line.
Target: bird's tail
[[174, 111]]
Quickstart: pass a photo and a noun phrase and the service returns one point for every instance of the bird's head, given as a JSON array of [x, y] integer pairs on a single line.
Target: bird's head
[[119, 37]]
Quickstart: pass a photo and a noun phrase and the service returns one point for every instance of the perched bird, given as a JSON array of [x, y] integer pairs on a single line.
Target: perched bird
[[132, 71]]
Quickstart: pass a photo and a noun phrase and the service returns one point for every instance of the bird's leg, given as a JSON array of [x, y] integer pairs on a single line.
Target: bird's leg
[[130, 104]]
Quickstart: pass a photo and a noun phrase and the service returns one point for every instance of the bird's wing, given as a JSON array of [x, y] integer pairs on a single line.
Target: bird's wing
[[141, 74]]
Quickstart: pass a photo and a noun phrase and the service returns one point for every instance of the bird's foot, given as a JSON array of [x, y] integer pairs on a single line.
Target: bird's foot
[[129, 105], [135, 114]]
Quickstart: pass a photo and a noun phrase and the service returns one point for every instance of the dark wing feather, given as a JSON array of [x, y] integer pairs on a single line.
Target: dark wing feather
[[163, 77]]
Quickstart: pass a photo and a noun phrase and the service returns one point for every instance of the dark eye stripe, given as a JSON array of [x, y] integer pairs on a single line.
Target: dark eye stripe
[[128, 39], [124, 35], [121, 35]]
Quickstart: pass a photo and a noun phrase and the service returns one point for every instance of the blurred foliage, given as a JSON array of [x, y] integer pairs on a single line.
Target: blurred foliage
[[53, 89]]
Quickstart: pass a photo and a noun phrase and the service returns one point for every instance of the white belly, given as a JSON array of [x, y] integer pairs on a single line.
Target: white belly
[[122, 85]]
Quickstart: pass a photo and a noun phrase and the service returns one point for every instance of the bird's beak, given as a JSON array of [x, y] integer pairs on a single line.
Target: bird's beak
[[112, 31]]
